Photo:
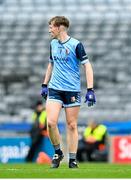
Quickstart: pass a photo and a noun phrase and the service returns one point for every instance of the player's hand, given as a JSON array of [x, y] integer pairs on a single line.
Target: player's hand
[[90, 97], [44, 91]]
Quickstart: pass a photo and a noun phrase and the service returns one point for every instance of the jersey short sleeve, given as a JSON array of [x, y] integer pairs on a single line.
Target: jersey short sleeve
[[81, 54]]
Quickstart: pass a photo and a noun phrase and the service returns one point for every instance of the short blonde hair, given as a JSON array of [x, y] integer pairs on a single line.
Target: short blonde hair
[[59, 20]]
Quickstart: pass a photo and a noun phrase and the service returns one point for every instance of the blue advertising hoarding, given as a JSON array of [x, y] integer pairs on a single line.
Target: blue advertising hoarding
[[15, 149]]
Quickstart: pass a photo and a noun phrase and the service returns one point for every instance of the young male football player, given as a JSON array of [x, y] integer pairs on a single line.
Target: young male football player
[[62, 85]]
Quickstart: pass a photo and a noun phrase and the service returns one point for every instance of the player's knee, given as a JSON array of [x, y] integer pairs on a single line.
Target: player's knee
[[51, 124], [72, 125]]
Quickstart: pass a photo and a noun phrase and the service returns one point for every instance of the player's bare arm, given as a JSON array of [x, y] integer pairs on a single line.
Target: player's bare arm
[[48, 73], [89, 74], [44, 90], [90, 96]]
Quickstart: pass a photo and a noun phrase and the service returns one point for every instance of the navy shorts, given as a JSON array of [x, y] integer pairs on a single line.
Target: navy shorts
[[66, 98]]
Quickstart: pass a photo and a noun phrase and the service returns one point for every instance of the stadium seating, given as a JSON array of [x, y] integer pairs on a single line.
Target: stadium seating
[[104, 27]]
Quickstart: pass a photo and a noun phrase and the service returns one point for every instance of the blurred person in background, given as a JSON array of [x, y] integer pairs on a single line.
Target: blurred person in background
[[93, 145], [38, 130], [62, 85]]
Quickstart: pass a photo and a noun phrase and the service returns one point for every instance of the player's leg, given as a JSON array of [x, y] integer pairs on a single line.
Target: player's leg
[[72, 133], [53, 107]]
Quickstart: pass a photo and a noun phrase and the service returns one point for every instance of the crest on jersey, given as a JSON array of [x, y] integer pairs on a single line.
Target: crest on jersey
[[67, 51], [73, 99]]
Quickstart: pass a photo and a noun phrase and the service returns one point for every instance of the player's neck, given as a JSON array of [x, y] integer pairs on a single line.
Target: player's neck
[[63, 37]]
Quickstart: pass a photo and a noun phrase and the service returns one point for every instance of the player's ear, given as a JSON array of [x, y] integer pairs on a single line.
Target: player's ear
[[59, 28]]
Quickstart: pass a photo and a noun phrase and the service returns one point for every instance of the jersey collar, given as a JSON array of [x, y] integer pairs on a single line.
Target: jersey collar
[[64, 41]]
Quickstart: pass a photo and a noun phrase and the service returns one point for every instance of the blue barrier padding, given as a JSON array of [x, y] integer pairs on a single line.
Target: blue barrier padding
[[24, 127], [113, 127], [120, 127], [116, 127]]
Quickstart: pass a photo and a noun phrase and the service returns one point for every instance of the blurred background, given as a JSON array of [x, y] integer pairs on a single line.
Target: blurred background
[[103, 26]]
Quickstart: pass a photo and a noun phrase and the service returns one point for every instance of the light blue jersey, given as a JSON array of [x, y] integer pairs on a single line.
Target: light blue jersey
[[66, 58]]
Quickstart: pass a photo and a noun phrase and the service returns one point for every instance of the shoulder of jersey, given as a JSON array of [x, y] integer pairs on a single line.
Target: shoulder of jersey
[[54, 41], [74, 41]]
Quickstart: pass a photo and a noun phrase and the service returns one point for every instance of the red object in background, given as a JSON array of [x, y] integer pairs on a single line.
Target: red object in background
[[43, 158], [101, 147], [121, 149]]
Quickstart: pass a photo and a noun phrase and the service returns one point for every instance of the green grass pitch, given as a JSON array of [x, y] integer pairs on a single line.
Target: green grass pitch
[[85, 170]]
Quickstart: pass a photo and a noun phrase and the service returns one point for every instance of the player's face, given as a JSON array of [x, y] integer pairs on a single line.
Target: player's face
[[54, 31]]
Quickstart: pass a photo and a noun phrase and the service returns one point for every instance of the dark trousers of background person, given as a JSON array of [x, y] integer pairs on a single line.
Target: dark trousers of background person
[[85, 150], [36, 140]]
